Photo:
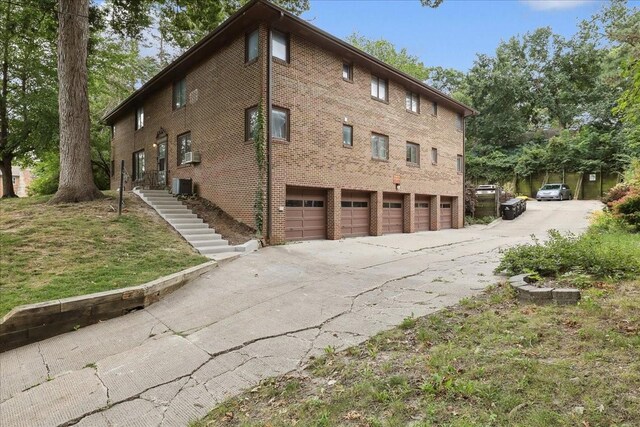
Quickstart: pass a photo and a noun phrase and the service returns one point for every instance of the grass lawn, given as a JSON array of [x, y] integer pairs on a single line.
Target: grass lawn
[[490, 361], [49, 252]]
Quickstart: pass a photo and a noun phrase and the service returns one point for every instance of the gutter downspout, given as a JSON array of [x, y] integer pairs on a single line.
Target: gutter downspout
[[269, 154]]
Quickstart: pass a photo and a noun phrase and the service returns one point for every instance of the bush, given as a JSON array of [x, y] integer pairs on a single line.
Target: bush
[[614, 254], [616, 193], [628, 209], [469, 220], [604, 221]]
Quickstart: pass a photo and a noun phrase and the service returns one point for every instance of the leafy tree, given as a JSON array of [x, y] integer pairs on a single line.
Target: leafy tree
[[28, 116]]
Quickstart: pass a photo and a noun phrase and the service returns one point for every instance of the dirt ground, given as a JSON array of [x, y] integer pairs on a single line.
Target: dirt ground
[[234, 231]]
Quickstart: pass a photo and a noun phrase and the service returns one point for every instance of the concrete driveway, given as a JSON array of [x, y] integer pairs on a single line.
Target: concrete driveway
[[259, 316]]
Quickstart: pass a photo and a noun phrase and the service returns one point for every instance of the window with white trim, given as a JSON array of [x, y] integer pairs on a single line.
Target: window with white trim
[[379, 146], [379, 88], [412, 102]]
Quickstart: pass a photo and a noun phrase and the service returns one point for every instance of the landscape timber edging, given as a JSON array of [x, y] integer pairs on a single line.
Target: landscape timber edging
[[529, 293], [30, 323]]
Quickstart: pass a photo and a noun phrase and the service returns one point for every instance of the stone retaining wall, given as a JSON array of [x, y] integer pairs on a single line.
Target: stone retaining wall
[[542, 295], [34, 322]]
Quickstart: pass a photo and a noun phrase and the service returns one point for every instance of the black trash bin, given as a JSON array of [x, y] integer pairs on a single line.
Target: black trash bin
[[510, 209]]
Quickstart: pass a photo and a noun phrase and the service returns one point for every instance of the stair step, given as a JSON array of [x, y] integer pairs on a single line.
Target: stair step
[[165, 194], [205, 240], [199, 232], [176, 222], [176, 210], [169, 217], [210, 244], [215, 250], [168, 206], [195, 226], [155, 199]]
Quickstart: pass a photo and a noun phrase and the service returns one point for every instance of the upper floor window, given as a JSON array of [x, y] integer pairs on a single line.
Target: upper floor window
[[434, 108], [379, 88], [252, 46], [379, 146], [434, 156], [138, 165], [184, 147], [113, 131], [460, 163], [347, 135], [280, 123], [179, 94], [347, 71], [412, 102], [139, 118], [250, 123], [280, 45], [413, 153], [459, 122]]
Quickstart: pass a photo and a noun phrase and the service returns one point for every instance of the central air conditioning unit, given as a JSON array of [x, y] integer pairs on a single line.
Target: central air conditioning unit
[[181, 186], [192, 157]]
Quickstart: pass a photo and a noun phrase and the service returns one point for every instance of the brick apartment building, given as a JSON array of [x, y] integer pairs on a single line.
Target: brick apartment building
[[353, 146]]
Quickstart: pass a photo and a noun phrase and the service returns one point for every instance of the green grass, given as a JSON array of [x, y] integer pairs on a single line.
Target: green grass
[[470, 220], [50, 252], [487, 362]]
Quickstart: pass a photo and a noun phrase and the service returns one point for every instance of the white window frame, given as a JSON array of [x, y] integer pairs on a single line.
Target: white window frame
[[376, 138], [413, 146], [412, 102], [375, 88], [275, 38]]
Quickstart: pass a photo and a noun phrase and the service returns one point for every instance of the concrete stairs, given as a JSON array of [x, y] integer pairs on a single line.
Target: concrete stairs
[[194, 230]]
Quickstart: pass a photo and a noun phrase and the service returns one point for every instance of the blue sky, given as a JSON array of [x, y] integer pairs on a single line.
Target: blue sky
[[452, 34]]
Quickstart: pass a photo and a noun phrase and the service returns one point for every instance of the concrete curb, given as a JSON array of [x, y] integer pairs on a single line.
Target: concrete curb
[[29, 323], [533, 294]]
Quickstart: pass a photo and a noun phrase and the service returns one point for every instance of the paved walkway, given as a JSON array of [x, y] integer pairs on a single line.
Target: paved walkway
[[259, 316]]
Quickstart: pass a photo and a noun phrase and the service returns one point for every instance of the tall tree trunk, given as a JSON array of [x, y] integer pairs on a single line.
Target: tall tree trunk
[[5, 152], [76, 177]]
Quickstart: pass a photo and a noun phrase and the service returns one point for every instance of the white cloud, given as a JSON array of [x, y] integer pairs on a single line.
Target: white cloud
[[554, 4]]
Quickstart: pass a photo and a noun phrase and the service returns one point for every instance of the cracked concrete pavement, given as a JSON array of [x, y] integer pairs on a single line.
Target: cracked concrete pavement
[[262, 315]]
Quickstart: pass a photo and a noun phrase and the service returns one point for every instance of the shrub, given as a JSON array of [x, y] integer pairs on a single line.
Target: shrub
[[613, 254], [616, 193], [604, 221], [628, 209]]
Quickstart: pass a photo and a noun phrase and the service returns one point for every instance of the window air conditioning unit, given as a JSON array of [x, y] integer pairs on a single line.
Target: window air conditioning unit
[[192, 157], [181, 186]]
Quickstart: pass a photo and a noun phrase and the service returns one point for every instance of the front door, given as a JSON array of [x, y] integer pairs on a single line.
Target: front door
[[162, 164]]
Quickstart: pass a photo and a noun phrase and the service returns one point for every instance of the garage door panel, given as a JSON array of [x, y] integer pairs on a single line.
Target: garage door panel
[[392, 213], [422, 213], [306, 215], [446, 204], [355, 214]]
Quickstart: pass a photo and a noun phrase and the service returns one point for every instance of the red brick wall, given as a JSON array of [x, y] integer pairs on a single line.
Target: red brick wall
[[225, 87], [319, 100]]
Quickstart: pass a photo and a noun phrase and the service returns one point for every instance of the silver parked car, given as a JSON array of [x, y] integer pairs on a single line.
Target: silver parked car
[[554, 192]]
